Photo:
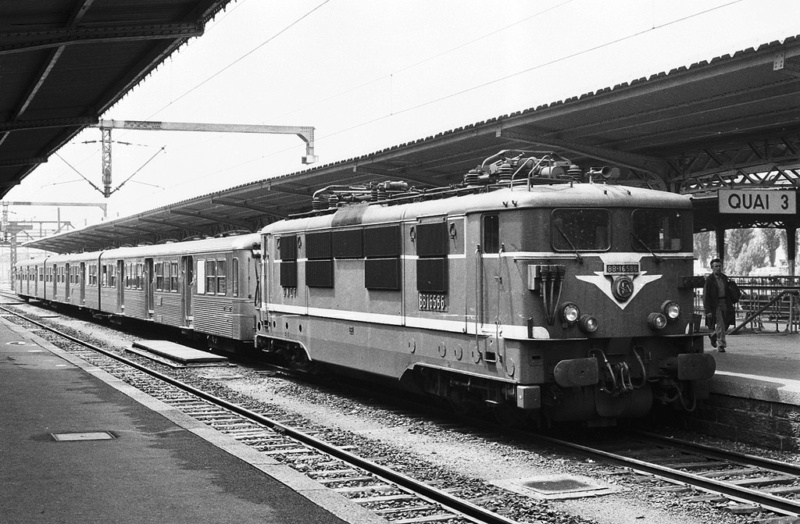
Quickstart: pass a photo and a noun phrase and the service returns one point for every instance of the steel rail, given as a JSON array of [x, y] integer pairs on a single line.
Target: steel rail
[[771, 502], [709, 451], [448, 501]]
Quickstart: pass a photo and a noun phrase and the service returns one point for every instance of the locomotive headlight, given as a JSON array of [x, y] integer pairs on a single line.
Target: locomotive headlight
[[588, 324], [657, 320], [671, 309], [569, 313]]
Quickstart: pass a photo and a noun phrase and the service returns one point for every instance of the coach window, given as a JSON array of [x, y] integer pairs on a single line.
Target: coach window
[[656, 230], [159, 270], [580, 230], [491, 234], [211, 277], [173, 277], [93, 275], [235, 277], [222, 285], [112, 276], [200, 277]]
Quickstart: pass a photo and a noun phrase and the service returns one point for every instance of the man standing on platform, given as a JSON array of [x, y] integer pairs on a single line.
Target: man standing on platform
[[718, 304]]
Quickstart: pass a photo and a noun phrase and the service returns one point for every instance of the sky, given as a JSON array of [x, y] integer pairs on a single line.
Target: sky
[[371, 75]]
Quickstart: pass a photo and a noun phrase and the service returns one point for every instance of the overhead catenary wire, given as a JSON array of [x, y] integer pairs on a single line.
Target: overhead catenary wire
[[395, 112]]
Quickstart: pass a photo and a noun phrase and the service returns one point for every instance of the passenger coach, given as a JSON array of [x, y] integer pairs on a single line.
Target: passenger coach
[[206, 287]]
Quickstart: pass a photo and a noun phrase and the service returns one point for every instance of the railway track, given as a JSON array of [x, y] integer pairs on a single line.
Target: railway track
[[755, 483], [747, 484], [388, 493]]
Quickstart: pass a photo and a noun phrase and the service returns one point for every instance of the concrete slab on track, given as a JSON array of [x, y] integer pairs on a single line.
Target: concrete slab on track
[[178, 353]]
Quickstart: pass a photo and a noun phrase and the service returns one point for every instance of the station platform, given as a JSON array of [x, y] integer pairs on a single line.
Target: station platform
[[760, 366], [78, 445]]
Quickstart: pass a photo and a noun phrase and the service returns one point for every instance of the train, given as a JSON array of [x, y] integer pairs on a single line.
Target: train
[[532, 290]]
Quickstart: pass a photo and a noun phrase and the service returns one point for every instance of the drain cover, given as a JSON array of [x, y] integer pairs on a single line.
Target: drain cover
[[78, 437], [556, 487]]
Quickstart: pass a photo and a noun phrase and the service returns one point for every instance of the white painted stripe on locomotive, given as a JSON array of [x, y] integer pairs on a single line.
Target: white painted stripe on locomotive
[[616, 255], [453, 326]]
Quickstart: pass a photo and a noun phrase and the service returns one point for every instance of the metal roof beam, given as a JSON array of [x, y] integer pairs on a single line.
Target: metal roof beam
[[173, 225], [23, 41], [214, 220], [244, 204], [22, 161], [24, 125]]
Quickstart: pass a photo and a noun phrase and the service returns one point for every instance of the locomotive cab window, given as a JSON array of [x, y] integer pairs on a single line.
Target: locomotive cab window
[[580, 230], [656, 230]]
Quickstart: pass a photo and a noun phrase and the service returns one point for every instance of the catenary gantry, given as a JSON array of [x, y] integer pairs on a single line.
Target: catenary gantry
[[733, 121]]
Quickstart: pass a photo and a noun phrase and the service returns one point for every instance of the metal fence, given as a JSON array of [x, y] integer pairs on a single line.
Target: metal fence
[[768, 304]]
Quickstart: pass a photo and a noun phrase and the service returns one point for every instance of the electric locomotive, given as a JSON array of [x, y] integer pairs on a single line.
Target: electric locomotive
[[525, 290]]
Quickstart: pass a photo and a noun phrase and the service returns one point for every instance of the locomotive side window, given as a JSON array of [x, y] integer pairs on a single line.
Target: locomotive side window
[[580, 229], [491, 234], [656, 230]]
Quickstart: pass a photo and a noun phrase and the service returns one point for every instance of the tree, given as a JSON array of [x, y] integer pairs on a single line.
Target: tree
[[774, 238], [704, 247]]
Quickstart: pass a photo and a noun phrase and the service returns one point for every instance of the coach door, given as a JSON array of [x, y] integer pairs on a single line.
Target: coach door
[[149, 285], [82, 283], [120, 286], [187, 271], [67, 282]]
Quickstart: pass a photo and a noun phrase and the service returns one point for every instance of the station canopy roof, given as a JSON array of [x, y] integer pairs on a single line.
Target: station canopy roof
[[63, 63], [733, 121]]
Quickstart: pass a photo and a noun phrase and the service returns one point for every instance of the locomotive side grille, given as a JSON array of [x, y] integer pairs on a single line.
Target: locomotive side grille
[[319, 273], [432, 275]]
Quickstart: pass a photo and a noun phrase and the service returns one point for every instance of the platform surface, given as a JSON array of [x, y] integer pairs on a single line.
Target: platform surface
[[762, 366], [124, 457]]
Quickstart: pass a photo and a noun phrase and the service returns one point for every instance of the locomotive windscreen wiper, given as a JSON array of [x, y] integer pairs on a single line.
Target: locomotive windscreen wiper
[[656, 257], [574, 249]]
